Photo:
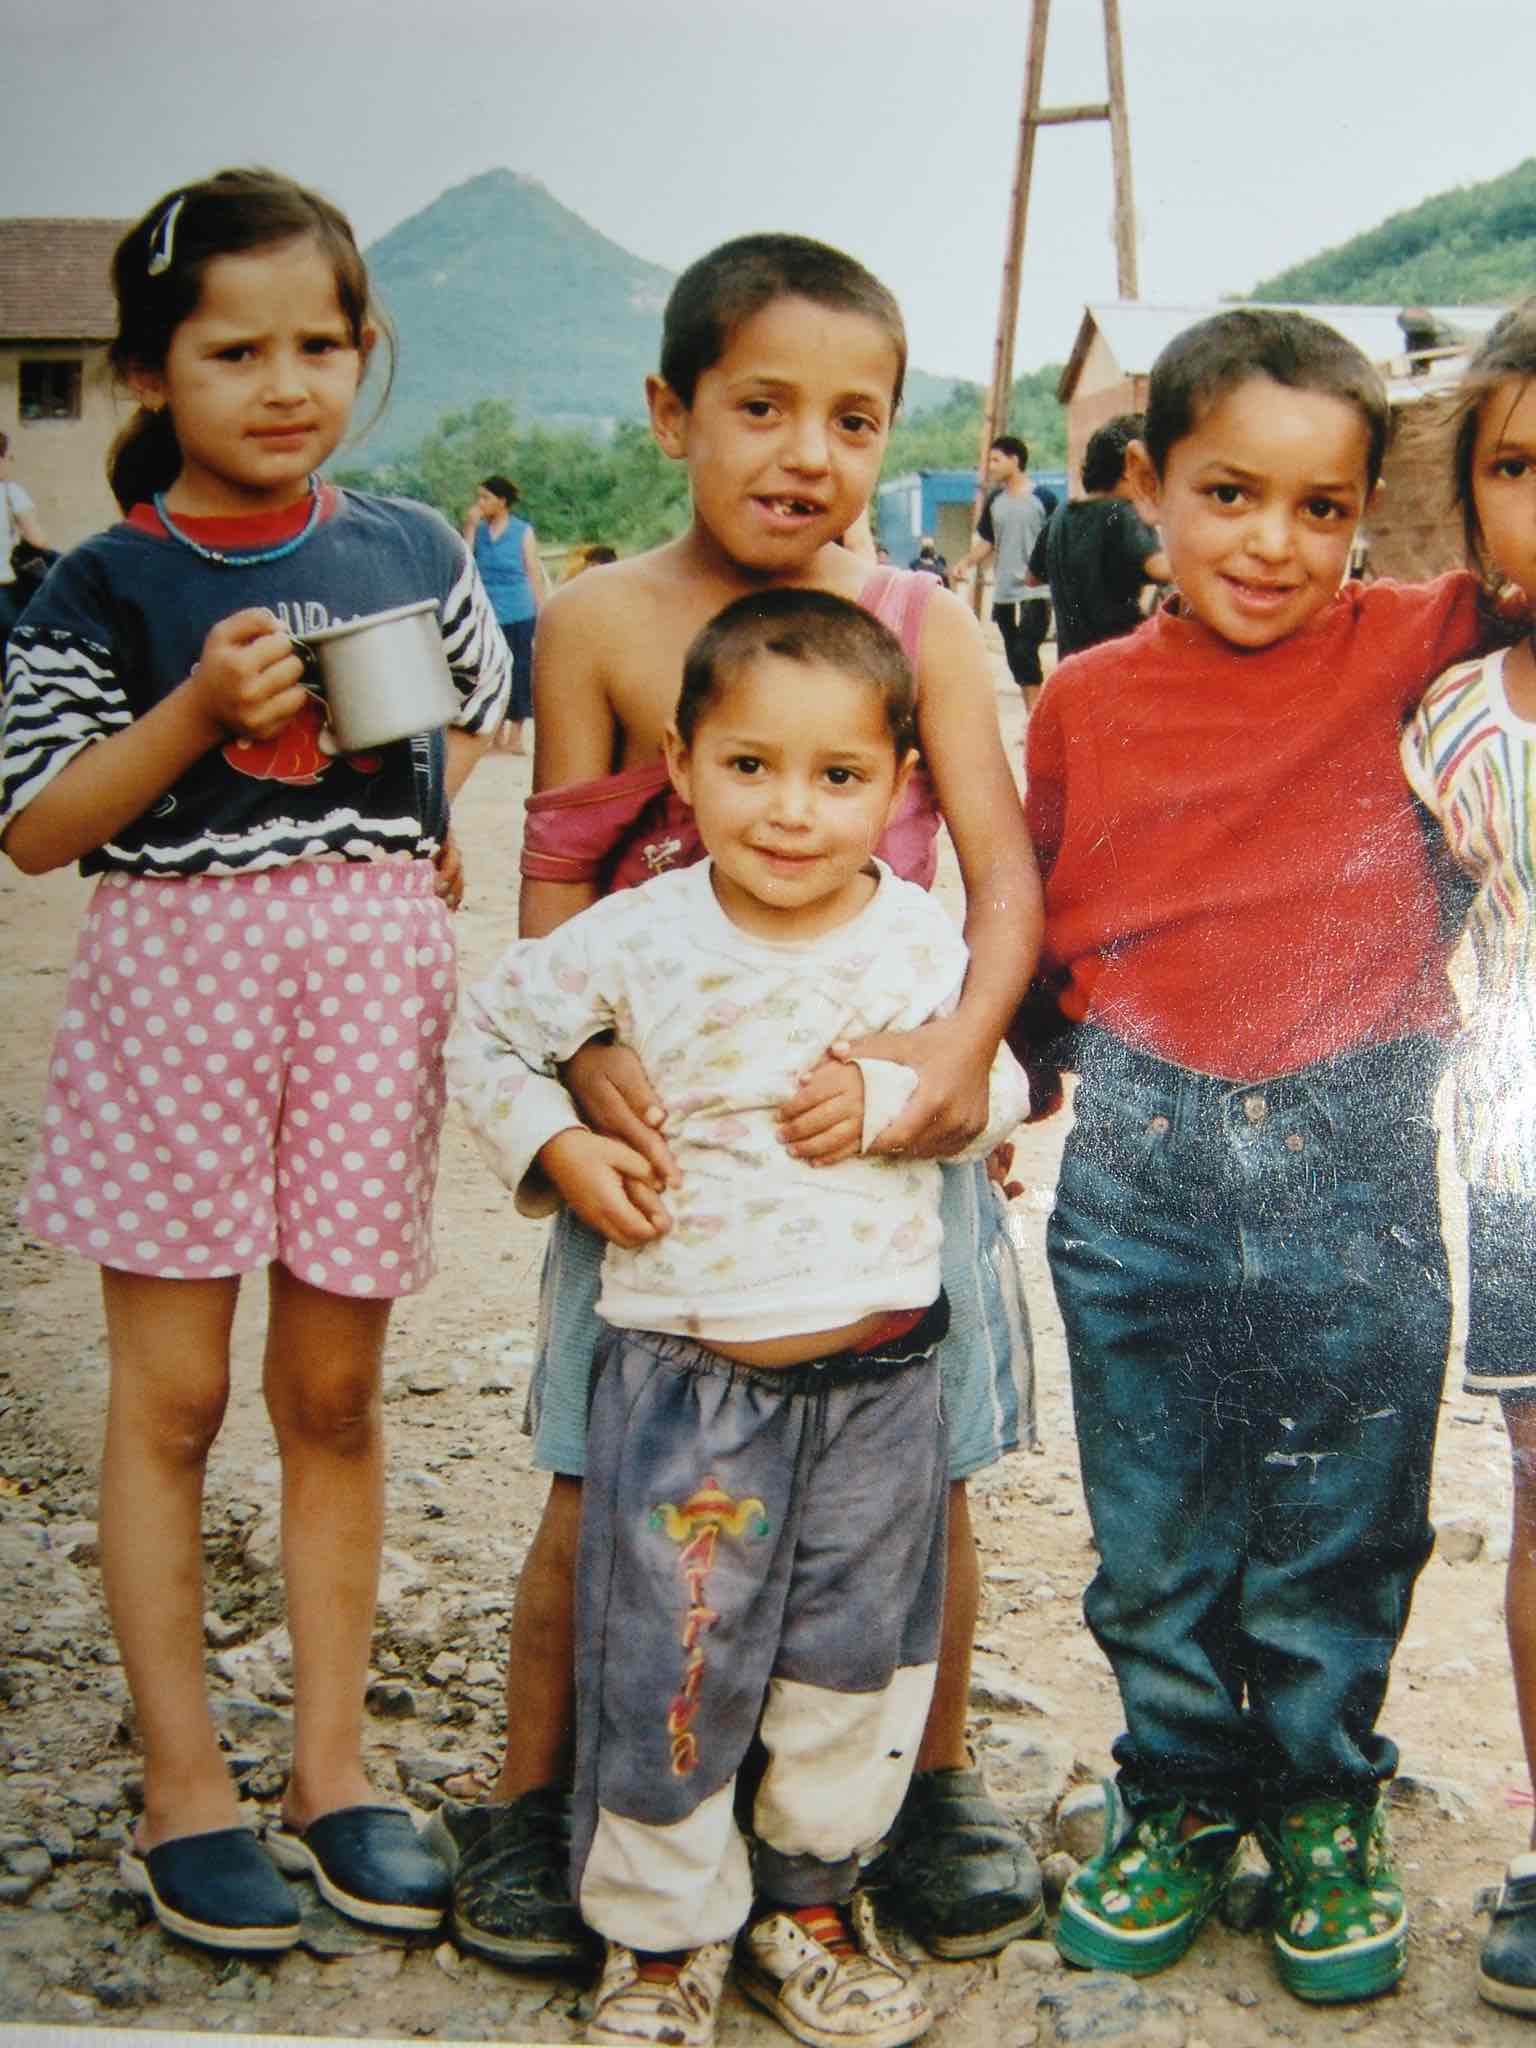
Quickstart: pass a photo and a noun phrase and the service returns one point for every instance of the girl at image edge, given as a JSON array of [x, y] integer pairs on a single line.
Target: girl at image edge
[[248, 1071], [1470, 756]]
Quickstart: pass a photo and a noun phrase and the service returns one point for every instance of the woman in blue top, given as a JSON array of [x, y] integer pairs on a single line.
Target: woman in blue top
[[506, 554]]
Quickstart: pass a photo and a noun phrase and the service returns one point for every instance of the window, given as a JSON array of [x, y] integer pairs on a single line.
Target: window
[[49, 390]]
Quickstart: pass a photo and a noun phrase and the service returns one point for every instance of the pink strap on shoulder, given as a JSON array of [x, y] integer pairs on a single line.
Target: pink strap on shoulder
[[899, 599], [569, 833]]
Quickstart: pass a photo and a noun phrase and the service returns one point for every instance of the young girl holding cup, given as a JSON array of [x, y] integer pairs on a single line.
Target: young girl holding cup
[[248, 1074]]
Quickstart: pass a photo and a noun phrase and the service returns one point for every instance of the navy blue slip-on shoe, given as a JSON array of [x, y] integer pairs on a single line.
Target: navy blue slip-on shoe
[[369, 1863], [219, 1889], [1506, 1969]]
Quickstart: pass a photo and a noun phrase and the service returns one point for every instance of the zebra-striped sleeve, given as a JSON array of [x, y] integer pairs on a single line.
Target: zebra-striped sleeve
[[61, 694], [477, 652]]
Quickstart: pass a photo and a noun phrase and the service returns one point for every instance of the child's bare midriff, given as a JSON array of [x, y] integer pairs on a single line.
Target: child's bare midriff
[[799, 1350]]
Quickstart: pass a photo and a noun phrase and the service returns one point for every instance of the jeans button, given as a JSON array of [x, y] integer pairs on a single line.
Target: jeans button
[[1294, 1142], [1255, 1108], [1158, 1125]]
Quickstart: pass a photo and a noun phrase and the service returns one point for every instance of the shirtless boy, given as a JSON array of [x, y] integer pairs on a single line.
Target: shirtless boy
[[781, 369]]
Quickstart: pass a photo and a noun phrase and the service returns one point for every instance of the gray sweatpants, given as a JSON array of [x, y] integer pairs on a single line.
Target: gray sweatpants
[[761, 1550]]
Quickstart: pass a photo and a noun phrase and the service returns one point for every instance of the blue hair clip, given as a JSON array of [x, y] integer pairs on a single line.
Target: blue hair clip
[[162, 243]]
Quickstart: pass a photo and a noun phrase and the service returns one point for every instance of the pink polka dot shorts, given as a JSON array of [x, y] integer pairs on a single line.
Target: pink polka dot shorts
[[249, 1068]]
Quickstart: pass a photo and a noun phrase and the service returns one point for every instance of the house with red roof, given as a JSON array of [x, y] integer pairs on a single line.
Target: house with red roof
[[57, 402]]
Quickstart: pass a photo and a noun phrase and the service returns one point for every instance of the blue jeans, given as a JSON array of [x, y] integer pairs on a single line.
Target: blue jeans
[[1257, 1311]]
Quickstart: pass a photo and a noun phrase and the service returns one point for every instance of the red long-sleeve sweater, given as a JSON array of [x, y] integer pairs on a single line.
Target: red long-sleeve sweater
[[1235, 879]]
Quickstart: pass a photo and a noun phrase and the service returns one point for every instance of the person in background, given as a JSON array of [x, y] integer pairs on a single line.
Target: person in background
[[507, 556], [1096, 553], [18, 521], [1007, 530], [929, 561]]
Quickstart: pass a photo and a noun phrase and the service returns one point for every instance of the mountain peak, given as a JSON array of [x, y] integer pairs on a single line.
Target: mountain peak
[[501, 292]]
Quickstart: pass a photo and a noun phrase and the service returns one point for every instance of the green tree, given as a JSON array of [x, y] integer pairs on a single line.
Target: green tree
[[949, 436], [574, 487]]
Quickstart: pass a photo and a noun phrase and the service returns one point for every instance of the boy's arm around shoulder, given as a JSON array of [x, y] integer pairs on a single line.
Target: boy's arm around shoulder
[[962, 746], [931, 975], [1417, 630]]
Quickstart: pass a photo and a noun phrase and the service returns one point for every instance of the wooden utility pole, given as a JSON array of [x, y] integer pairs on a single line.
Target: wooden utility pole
[[1032, 117]]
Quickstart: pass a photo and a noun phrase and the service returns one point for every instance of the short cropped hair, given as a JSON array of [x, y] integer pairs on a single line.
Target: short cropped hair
[[1104, 456], [733, 283], [1507, 351], [1200, 366], [1010, 444], [501, 487], [803, 626]]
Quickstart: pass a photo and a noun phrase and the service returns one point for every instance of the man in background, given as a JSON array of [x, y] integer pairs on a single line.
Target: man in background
[[1095, 553], [1007, 530]]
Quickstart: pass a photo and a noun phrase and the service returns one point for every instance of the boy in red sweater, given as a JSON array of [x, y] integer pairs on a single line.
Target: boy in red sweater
[[1246, 1244]]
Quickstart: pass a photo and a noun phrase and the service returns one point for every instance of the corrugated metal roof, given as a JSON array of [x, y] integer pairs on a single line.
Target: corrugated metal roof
[[1136, 332], [55, 281]]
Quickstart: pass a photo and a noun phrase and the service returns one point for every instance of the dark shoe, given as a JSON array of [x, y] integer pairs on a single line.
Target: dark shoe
[[369, 1863], [511, 1878], [219, 1889], [955, 1870], [1506, 1969], [1138, 1905], [1341, 1926]]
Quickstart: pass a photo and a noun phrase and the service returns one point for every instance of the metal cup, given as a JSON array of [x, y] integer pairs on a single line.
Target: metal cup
[[385, 676]]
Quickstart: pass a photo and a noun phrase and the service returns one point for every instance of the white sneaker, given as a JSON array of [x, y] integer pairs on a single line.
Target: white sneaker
[[831, 2000], [678, 2008]]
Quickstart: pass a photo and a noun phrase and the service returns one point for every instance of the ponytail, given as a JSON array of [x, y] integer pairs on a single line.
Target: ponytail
[[145, 458], [157, 280]]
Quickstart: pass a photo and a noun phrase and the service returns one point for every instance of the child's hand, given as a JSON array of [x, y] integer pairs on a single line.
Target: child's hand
[[248, 678], [949, 1105], [999, 1166], [448, 881], [609, 1186], [823, 1122], [611, 1089]]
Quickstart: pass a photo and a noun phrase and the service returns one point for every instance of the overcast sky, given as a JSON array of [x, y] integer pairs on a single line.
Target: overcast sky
[[1261, 130]]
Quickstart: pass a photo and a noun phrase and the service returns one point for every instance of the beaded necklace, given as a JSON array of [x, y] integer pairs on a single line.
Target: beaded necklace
[[243, 561]]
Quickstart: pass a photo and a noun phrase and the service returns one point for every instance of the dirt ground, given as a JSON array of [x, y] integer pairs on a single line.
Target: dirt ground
[[462, 1505]]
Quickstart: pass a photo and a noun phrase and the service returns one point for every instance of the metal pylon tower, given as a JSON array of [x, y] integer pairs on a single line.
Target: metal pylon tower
[[1032, 118]]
